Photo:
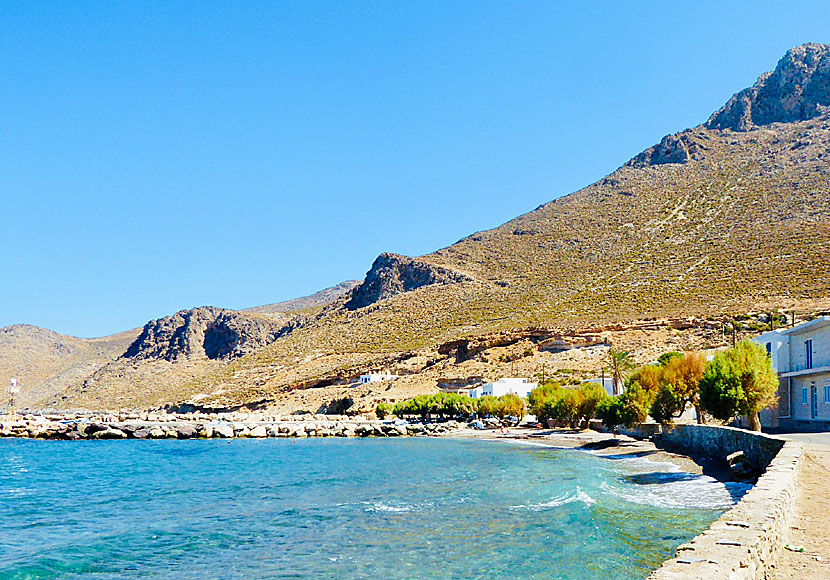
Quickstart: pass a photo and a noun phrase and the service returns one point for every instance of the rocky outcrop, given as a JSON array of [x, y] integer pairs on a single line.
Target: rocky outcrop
[[393, 274], [205, 332], [798, 89], [678, 148]]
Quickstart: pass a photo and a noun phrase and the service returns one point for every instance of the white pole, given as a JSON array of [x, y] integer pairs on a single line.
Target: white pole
[[13, 390]]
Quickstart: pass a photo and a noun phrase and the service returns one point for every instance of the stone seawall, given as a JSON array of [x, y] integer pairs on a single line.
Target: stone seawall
[[747, 540], [760, 449]]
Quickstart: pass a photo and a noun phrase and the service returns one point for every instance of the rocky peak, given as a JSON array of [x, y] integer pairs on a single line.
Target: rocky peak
[[393, 274], [798, 89], [205, 332]]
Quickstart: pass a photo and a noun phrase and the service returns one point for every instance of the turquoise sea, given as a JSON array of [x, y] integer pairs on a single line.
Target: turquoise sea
[[341, 509]]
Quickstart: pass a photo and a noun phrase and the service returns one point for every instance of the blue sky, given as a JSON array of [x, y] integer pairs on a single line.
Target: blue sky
[[164, 155]]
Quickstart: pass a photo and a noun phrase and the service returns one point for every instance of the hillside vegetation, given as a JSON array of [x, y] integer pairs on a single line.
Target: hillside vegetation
[[728, 217]]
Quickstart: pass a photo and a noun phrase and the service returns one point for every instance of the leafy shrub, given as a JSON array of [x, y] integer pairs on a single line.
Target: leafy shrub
[[383, 410]]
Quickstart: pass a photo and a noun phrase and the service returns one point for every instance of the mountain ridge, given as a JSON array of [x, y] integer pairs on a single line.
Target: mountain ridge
[[727, 217]]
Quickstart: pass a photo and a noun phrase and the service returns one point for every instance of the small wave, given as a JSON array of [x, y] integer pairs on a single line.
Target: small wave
[[379, 506], [579, 496], [695, 492]]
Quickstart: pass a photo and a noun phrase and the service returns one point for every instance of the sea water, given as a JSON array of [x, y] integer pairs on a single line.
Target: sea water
[[341, 509]]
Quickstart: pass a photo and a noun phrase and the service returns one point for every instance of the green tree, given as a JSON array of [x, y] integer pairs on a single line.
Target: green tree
[[609, 412], [383, 410], [667, 405], [592, 395], [636, 403], [739, 381], [684, 374], [489, 406], [621, 363], [512, 405], [540, 395]]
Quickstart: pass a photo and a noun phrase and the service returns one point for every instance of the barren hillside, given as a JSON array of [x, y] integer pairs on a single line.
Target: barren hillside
[[728, 217]]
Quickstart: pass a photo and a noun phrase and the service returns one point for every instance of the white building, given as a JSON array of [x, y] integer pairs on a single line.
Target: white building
[[801, 356], [606, 383], [376, 378], [517, 386]]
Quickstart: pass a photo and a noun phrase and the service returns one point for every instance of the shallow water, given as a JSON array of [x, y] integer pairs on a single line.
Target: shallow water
[[341, 508]]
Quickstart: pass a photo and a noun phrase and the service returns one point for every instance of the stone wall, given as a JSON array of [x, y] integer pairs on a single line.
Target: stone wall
[[746, 540], [721, 441]]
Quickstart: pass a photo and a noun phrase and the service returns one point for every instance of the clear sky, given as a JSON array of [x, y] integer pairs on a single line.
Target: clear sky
[[164, 155]]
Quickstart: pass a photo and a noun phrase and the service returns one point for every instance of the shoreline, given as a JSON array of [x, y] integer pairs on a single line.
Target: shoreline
[[605, 445], [254, 425]]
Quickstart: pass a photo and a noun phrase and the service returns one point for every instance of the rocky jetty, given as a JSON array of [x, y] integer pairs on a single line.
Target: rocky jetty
[[221, 426], [393, 274]]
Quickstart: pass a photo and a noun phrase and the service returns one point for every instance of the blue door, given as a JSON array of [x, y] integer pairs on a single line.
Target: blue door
[[813, 402]]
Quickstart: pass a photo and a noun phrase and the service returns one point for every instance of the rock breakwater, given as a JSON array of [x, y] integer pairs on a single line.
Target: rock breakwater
[[218, 426]]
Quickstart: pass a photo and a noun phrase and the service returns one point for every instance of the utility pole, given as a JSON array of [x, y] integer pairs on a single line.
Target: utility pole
[[13, 390]]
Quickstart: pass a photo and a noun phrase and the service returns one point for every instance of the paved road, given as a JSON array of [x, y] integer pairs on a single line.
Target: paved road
[[812, 514], [821, 440]]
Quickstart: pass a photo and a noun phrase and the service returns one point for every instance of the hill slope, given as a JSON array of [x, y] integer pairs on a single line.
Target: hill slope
[[45, 362], [730, 216]]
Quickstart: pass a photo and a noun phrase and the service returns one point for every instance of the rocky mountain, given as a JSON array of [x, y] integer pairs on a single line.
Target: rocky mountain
[[206, 332], [728, 217], [797, 90], [47, 363]]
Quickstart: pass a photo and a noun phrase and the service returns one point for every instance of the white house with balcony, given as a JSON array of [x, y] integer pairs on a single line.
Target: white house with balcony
[[517, 386], [801, 356]]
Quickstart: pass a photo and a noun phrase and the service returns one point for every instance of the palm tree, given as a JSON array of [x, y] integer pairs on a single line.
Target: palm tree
[[621, 362]]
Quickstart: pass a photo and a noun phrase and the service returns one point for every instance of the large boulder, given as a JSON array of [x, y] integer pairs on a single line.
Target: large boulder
[[258, 432], [186, 432], [109, 434], [223, 430]]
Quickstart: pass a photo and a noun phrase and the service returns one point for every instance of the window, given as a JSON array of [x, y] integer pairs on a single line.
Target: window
[[769, 348], [803, 395], [808, 351], [827, 393]]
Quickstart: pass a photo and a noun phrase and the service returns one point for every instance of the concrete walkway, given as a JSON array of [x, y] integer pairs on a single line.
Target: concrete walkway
[[811, 526]]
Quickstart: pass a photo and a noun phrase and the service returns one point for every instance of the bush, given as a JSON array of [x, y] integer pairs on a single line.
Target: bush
[[383, 410], [627, 409], [664, 358]]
